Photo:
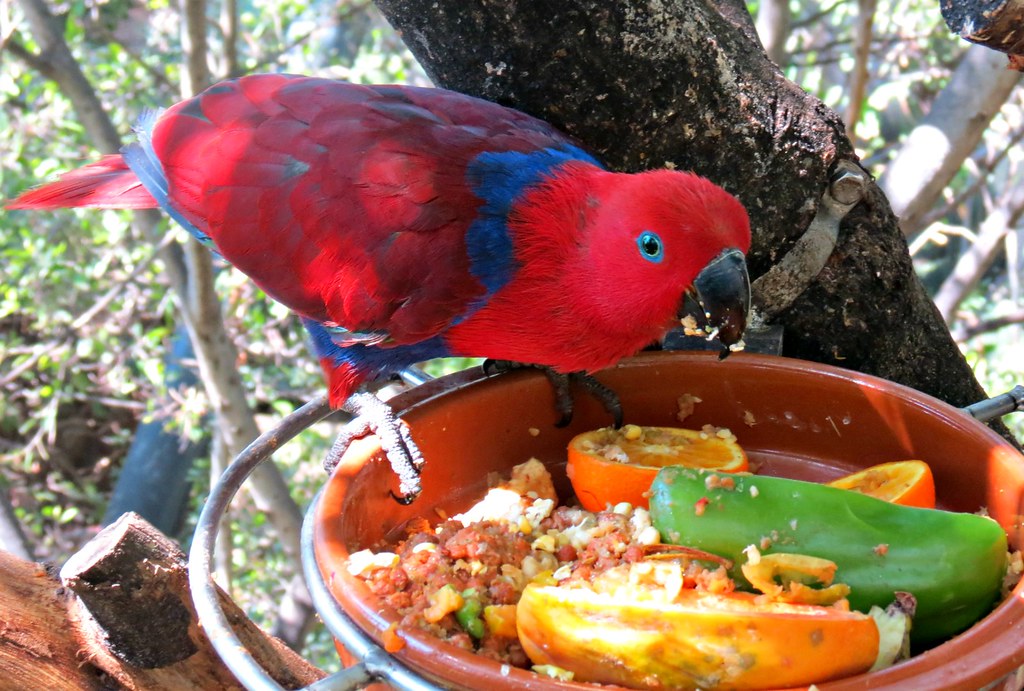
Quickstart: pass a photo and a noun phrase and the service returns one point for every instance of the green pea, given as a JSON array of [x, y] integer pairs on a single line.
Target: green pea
[[468, 615]]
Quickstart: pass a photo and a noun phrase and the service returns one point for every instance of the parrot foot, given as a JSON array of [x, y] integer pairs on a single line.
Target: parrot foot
[[371, 415], [562, 384]]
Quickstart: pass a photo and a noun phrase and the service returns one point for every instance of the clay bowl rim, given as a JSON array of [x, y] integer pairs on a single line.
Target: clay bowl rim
[[987, 642]]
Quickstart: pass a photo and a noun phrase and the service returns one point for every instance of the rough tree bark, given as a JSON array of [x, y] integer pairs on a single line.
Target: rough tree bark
[[644, 84], [994, 24]]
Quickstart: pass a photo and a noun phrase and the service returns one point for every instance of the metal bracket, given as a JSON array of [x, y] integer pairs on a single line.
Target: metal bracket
[[780, 286], [997, 406]]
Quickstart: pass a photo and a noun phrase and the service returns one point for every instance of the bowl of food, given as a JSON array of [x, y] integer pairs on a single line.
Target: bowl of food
[[505, 593]]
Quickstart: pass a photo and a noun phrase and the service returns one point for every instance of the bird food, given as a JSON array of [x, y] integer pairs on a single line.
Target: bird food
[[533, 584]]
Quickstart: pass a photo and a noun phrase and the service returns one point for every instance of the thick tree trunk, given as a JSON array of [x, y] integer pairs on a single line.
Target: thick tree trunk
[[645, 84]]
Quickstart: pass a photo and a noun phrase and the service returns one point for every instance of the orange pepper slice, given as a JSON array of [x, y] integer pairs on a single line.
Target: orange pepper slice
[[909, 483], [609, 466], [699, 640]]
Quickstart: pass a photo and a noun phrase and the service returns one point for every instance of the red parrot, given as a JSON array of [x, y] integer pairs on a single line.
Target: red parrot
[[406, 223]]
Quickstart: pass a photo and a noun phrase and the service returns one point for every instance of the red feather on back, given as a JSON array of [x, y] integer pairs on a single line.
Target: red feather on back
[[348, 204]]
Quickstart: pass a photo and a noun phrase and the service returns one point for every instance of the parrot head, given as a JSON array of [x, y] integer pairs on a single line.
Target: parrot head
[[663, 240], [606, 263]]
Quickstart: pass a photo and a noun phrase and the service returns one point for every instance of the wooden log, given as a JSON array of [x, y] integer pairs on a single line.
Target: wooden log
[[130, 579], [122, 619], [133, 598], [38, 650]]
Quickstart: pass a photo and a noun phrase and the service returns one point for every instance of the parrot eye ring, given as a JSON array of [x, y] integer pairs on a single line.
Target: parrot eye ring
[[651, 247]]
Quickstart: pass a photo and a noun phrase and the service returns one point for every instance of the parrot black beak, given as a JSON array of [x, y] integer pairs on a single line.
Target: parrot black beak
[[722, 292]]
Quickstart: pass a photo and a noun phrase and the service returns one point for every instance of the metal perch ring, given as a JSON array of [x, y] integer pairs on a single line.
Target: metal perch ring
[[374, 663]]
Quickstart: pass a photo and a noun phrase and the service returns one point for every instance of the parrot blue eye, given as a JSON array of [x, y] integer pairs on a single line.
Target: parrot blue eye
[[650, 246]]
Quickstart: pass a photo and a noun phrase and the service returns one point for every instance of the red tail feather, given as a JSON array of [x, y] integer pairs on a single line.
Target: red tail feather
[[342, 380], [107, 184]]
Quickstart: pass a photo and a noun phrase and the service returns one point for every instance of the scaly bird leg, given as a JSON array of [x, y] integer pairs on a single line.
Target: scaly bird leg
[[373, 416], [561, 383]]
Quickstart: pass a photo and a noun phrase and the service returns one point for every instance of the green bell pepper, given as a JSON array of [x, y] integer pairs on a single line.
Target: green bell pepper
[[952, 563]]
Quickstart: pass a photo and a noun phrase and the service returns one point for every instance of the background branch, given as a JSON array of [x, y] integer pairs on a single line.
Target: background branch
[[858, 84], [190, 272], [935, 149]]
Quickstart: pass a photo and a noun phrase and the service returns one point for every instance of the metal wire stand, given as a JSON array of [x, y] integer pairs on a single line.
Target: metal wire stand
[[375, 664]]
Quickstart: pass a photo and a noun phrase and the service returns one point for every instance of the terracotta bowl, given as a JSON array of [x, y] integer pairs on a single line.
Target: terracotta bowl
[[809, 421]]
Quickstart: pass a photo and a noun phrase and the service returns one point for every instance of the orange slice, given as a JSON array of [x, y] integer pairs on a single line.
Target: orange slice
[[697, 640], [901, 482], [609, 466]]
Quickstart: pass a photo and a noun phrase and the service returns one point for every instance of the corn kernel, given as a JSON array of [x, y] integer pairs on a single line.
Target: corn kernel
[[546, 543], [544, 578], [632, 432]]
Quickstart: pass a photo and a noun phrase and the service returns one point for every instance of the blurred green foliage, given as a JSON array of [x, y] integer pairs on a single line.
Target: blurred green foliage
[[76, 380]]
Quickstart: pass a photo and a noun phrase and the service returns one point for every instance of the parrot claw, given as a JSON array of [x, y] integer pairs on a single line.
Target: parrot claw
[[604, 395], [561, 383], [371, 415]]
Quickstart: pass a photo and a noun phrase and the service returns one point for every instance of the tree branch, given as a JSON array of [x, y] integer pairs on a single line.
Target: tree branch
[[973, 263], [216, 353], [229, 30], [983, 326], [994, 25], [934, 151], [773, 26], [55, 62], [986, 166], [218, 363], [12, 537], [858, 83], [196, 75]]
